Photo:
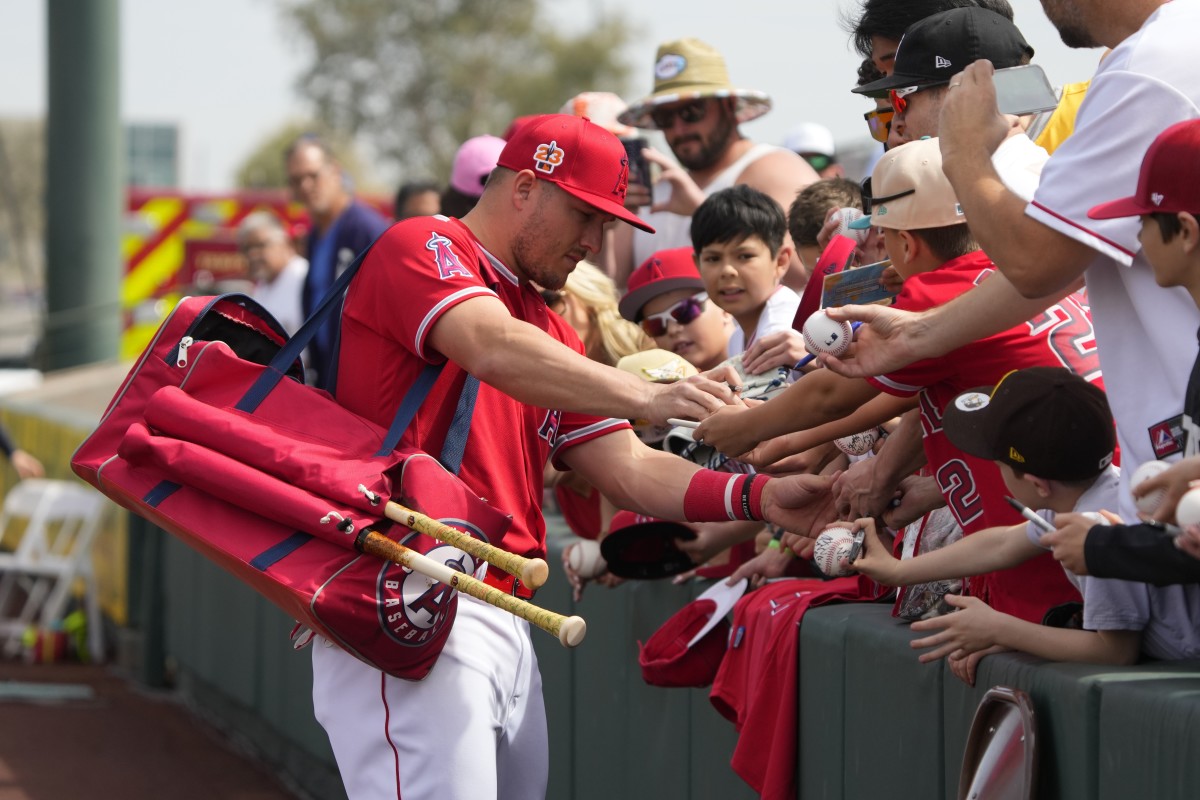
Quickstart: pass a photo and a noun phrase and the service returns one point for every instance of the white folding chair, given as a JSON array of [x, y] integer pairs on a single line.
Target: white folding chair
[[61, 520]]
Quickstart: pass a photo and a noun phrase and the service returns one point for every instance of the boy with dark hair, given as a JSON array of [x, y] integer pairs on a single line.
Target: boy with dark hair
[[738, 238], [881, 23], [931, 247], [1051, 434]]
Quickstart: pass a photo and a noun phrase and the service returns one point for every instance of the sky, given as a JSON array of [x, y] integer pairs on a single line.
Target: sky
[[225, 70]]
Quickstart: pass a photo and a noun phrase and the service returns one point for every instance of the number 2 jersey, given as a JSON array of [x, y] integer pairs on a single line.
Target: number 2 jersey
[[973, 488], [416, 271]]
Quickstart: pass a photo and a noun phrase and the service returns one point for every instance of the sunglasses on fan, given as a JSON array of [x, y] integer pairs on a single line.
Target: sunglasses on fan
[[683, 312]]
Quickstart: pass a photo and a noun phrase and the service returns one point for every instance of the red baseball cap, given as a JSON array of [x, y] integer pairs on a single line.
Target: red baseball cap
[[665, 271], [688, 648], [585, 161], [1170, 177]]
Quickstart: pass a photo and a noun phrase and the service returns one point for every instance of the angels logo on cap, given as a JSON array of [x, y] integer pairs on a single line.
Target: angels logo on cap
[[583, 159]]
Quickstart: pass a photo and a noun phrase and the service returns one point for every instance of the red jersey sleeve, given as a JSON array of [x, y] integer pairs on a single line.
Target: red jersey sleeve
[[431, 264]]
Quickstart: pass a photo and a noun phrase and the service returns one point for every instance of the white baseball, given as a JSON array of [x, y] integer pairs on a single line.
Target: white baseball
[[584, 557], [857, 444], [1148, 503], [832, 552], [845, 216], [823, 335], [1187, 512]]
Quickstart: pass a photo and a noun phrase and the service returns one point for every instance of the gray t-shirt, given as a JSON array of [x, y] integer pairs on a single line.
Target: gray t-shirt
[[1167, 616]]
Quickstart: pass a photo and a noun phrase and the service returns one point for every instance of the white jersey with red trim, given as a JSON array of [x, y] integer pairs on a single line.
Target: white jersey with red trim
[[1145, 333], [417, 271]]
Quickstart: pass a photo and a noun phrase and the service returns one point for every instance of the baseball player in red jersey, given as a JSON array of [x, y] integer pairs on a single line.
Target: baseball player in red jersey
[[915, 205], [459, 291]]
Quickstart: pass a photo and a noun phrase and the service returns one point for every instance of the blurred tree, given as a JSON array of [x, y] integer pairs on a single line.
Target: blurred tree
[[415, 78]]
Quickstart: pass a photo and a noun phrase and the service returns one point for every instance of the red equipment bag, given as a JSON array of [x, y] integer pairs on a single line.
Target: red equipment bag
[[214, 437]]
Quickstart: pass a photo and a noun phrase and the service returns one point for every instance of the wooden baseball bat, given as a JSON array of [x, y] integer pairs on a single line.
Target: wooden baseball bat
[[533, 572], [569, 630]]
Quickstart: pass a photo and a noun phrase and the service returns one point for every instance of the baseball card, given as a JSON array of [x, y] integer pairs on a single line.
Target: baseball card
[[858, 286]]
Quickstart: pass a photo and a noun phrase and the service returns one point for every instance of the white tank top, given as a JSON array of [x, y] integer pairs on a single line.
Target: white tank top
[[675, 230]]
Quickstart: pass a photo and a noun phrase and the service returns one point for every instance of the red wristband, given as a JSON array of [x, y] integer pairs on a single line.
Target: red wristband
[[719, 496]]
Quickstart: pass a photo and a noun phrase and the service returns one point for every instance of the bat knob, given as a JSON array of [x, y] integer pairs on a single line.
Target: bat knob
[[534, 573], [572, 631]]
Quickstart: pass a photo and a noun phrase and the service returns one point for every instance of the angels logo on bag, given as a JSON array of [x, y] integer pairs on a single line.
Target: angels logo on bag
[[413, 607]]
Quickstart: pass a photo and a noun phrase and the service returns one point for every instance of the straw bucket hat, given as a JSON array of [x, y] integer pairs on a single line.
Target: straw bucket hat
[[688, 69]]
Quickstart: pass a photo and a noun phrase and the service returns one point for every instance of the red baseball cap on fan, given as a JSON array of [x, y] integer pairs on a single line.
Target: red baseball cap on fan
[[664, 271], [1170, 178], [585, 161], [688, 648]]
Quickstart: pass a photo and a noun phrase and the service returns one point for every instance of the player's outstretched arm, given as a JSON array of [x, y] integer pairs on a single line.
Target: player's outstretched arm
[[811, 401], [481, 336]]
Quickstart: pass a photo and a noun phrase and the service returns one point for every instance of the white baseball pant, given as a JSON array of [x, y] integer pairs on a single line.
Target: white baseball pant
[[473, 729]]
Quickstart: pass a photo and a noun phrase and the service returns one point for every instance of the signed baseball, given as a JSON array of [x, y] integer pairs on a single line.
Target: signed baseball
[[844, 217], [1148, 503], [857, 444], [823, 335], [832, 552], [584, 557]]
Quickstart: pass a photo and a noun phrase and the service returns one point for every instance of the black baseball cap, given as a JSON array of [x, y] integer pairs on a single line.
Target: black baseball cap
[[940, 46], [1045, 421]]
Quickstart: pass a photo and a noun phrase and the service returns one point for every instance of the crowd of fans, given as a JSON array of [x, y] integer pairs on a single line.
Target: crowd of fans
[[1015, 315]]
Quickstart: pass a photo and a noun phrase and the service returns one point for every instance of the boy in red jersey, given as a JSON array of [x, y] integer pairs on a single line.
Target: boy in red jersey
[[931, 246]]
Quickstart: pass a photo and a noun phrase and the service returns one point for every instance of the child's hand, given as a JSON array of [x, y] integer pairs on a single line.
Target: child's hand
[[964, 666], [875, 560], [727, 431], [969, 630], [770, 563], [779, 349]]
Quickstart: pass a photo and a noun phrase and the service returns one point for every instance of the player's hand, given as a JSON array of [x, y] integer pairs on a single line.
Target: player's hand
[[971, 126], [915, 497], [970, 629], [692, 398], [800, 504], [729, 431], [964, 666], [887, 340], [686, 196], [875, 560], [1176, 480], [779, 349], [29, 467]]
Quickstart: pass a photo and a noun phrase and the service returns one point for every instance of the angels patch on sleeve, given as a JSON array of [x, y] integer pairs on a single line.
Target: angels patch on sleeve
[[445, 258]]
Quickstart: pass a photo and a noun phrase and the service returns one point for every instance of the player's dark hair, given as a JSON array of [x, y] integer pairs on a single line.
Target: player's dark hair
[[736, 213], [948, 241], [455, 203], [409, 190], [890, 18], [868, 73], [1168, 224], [807, 213]]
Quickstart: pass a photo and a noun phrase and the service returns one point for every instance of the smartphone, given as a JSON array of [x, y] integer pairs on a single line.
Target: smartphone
[[1023, 90], [639, 168]]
